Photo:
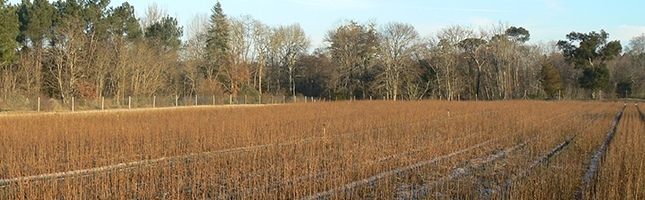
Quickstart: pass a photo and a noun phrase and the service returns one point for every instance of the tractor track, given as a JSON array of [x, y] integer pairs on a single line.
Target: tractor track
[[422, 190], [508, 184], [322, 174], [457, 173], [589, 177], [397, 171]]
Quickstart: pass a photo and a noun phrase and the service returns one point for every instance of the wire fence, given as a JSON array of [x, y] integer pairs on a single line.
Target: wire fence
[[44, 104]]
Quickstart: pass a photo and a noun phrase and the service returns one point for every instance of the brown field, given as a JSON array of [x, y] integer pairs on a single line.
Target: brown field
[[337, 150]]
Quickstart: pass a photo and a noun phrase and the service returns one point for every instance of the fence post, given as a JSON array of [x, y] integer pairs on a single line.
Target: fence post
[[230, 99], [38, 104], [102, 103], [245, 99], [196, 100], [213, 99], [626, 94], [154, 101], [176, 100], [129, 102], [72, 104]]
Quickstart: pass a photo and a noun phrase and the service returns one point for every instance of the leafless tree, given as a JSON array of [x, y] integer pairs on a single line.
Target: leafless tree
[[353, 49], [193, 56], [261, 38], [444, 57], [153, 14], [66, 58], [399, 43], [291, 43]]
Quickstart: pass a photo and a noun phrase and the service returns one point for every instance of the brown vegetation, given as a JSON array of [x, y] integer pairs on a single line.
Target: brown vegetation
[[622, 176], [376, 149]]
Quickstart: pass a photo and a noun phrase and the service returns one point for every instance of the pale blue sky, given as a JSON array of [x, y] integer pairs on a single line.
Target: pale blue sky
[[545, 19]]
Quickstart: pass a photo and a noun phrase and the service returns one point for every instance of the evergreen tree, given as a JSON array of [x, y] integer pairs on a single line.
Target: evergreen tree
[[165, 34], [624, 88], [551, 81], [519, 34], [595, 78], [35, 21], [591, 55], [124, 23], [9, 30], [217, 42]]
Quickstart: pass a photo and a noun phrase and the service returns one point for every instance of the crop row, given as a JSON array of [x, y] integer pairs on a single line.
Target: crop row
[[338, 150], [622, 172]]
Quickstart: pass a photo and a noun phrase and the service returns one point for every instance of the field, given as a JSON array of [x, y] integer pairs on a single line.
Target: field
[[330, 150]]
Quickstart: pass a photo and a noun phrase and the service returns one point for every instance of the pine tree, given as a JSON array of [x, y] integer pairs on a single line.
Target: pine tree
[[9, 30], [217, 42], [36, 20], [125, 23], [165, 34]]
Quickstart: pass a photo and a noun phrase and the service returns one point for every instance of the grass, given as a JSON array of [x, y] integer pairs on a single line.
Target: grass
[[293, 151]]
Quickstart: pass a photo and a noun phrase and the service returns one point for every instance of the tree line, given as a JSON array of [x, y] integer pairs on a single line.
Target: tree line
[[86, 49]]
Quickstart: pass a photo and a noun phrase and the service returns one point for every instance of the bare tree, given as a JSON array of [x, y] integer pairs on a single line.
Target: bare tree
[[153, 15], [636, 45], [291, 43], [30, 70], [147, 70], [66, 54], [193, 55], [444, 57], [250, 47], [399, 42], [261, 39], [242, 49], [353, 47]]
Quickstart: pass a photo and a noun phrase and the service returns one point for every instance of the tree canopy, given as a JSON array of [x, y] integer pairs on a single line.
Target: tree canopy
[[89, 49], [9, 30], [591, 54], [592, 50], [165, 34]]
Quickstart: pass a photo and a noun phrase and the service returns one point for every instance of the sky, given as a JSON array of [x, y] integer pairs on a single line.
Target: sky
[[547, 20]]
